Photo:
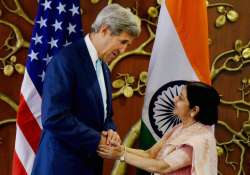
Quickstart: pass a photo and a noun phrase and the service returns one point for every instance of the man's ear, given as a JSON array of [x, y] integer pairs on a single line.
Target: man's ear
[[195, 110], [104, 29]]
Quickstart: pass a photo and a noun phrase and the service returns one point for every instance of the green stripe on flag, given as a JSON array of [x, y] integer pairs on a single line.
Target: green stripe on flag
[[146, 138], [146, 141]]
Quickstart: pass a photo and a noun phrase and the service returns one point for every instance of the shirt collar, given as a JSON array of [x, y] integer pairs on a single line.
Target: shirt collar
[[92, 50]]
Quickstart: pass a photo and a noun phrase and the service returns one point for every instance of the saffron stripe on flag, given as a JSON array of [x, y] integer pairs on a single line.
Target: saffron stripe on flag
[[192, 32], [180, 52], [168, 58]]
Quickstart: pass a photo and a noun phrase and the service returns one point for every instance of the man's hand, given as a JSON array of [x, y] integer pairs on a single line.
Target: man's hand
[[111, 152], [112, 137], [103, 140]]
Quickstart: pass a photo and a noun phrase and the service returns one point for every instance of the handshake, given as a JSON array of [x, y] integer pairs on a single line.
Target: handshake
[[110, 145]]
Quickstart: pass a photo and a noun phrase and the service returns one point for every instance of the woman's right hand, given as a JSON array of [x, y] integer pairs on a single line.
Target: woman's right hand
[[111, 152]]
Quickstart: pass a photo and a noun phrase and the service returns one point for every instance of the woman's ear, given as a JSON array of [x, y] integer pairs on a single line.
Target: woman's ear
[[195, 110]]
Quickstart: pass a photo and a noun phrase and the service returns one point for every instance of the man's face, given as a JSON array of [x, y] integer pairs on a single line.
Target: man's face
[[113, 45]]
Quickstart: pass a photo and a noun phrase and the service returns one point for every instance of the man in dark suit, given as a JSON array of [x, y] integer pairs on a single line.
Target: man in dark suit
[[77, 97]]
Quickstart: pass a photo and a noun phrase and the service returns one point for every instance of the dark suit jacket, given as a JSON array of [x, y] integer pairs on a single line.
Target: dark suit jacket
[[72, 115]]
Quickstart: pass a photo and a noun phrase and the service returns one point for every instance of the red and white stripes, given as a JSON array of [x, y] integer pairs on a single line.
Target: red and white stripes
[[28, 128]]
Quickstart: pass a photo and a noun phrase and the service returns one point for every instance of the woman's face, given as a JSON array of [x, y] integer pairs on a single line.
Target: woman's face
[[182, 105]]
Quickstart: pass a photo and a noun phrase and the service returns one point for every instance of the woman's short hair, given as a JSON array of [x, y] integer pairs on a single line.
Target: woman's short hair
[[118, 19], [206, 98]]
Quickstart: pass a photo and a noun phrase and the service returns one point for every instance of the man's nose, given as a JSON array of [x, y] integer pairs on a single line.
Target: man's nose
[[123, 48]]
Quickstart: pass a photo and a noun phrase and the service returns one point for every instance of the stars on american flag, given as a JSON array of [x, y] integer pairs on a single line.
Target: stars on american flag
[[47, 59], [58, 23], [33, 55], [46, 5], [37, 39], [61, 8], [42, 76], [74, 10], [53, 43], [71, 28], [42, 22], [67, 43]]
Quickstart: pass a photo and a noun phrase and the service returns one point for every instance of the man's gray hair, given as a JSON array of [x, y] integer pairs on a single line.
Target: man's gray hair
[[118, 19]]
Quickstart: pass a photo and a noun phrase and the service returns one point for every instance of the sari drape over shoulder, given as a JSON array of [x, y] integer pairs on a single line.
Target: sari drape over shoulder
[[195, 142]]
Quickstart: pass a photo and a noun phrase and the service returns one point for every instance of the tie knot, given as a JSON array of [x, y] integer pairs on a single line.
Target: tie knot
[[98, 62], [98, 65]]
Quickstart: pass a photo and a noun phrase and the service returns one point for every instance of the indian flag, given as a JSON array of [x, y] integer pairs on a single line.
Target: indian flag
[[180, 53]]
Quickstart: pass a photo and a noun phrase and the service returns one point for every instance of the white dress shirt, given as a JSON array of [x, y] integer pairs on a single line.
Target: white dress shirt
[[94, 57]]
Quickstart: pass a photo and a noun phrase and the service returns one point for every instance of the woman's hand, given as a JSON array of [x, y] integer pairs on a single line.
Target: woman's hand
[[111, 152], [113, 137]]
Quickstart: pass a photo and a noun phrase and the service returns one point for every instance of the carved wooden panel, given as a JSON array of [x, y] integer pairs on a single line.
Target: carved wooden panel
[[230, 57]]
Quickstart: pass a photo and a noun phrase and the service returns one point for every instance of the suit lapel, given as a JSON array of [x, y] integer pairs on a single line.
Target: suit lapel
[[91, 75], [107, 80]]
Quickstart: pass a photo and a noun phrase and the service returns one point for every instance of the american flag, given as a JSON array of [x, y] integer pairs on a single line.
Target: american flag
[[57, 25]]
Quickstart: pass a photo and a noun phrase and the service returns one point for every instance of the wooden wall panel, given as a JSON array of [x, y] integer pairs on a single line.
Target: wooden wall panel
[[128, 110]]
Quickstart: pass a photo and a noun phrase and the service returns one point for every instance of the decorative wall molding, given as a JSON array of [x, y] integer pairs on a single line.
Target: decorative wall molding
[[127, 84]]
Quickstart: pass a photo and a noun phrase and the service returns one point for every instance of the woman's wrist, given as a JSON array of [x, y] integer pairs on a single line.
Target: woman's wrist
[[122, 156]]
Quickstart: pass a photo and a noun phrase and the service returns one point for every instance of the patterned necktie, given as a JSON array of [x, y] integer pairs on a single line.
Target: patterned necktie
[[100, 76]]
